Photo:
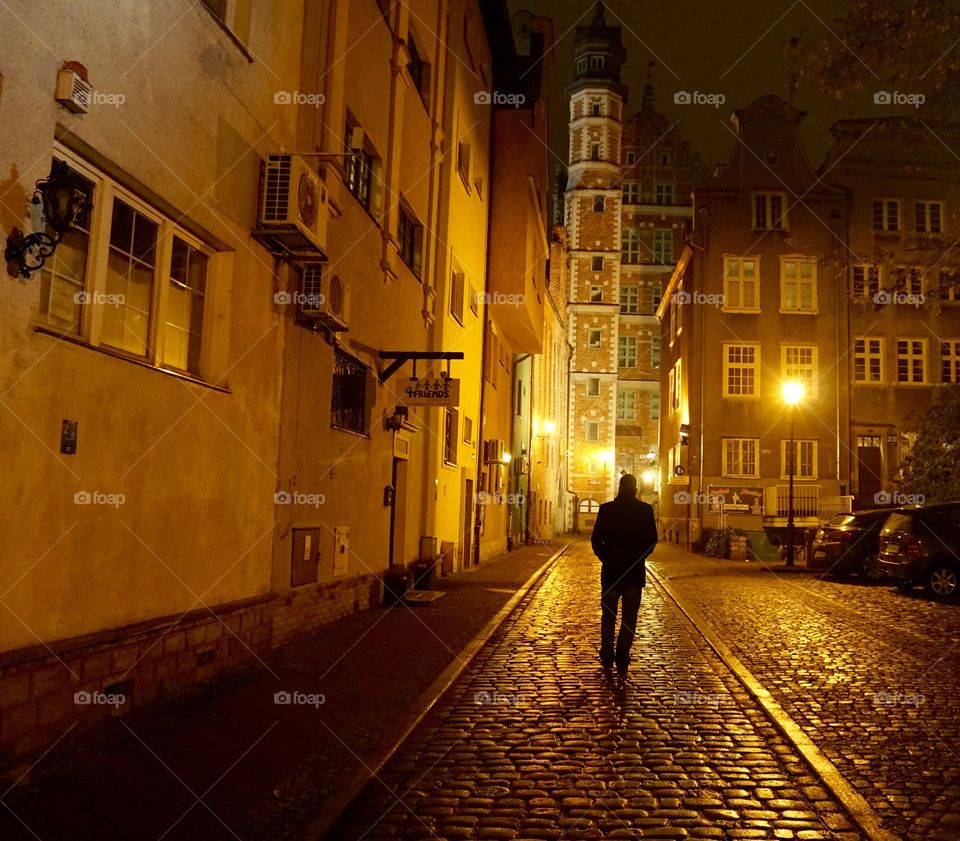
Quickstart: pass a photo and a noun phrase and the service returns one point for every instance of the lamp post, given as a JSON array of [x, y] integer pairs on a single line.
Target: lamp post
[[792, 394]]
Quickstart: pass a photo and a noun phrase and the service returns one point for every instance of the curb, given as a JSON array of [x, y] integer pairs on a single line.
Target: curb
[[323, 827], [856, 805]]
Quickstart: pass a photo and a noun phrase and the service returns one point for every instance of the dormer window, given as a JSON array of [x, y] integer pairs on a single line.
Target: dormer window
[[597, 62], [582, 65]]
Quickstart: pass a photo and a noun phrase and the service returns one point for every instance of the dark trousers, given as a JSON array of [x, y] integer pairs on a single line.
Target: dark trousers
[[610, 597]]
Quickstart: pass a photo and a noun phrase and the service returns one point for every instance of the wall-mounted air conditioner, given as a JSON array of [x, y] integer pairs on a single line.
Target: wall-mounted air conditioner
[[293, 206], [323, 299], [493, 451]]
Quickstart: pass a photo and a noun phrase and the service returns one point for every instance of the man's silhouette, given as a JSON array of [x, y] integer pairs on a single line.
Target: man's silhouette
[[624, 534]]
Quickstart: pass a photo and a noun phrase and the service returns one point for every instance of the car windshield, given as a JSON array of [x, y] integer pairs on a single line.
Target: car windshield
[[897, 522], [842, 520]]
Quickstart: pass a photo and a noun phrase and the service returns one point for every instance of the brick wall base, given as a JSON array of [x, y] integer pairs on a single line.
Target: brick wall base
[[82, 681]]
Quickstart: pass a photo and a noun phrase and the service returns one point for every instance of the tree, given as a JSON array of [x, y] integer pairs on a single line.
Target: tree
[[932, 469], [894, 46]]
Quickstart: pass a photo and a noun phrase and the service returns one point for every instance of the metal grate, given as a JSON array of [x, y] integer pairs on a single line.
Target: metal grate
[[348, 401], [277, 188]]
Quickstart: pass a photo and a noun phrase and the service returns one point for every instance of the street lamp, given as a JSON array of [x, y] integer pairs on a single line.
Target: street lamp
[[792, 394]]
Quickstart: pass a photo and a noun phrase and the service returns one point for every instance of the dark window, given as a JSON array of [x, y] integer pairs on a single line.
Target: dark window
[[598, 204], [410, 236], [358, 170], [348, 399], [597, 264], [418, 71], [450, 423]]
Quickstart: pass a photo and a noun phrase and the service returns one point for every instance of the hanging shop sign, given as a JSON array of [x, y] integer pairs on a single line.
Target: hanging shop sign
[[432, 391]]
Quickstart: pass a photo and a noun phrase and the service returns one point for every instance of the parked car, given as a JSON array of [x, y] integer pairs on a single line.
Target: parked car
[[849, 544], [921, 545]]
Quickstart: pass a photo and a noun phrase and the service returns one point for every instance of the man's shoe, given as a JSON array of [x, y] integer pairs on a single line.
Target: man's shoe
[[607, 661], [622, 666]]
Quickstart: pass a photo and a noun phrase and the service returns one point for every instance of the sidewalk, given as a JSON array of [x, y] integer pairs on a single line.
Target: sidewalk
[[228, 762]]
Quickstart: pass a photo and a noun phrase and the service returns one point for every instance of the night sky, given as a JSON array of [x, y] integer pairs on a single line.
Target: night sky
[[737, 48]]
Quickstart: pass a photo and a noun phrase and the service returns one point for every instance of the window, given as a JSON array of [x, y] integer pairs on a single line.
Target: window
[[664, 157], [463, 163], [456, 295], [950, 361], [799, 363], [911, 360], [596, 263], [804, 459], [596, 109], [451, 435], [468, 430], [582, 65], [655, 405], [599, 202], [626, 405], [769, 211], [348, 397], [664, 193], [655, 352], [949, 285], [631, 158], [662, 246], [929, 215], [474, 300], [626, 351], [358, 170], [630, 245], [410, 236], [740, 283], [741, 370], [630, 299], [739, 456], [868, 360], [147, 298], [597, 62], [594, 338], [675, 387], [866, 280], [655, 296], [493, 356], [909, 281], [419, 72], [593, 386], [631, 192], [886, 214], [798, 285], [594, 151], [593, 431], [596, 294]]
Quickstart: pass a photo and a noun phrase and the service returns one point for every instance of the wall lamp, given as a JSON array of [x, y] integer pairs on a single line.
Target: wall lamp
[[64, 198]]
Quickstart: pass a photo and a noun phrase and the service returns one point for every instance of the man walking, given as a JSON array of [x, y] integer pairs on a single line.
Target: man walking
[[624, 534]]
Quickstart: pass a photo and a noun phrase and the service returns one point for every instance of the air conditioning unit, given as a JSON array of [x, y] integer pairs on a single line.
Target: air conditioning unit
[[325, 302], [493, 451], [73, 91], [521, 466], [293, 206]]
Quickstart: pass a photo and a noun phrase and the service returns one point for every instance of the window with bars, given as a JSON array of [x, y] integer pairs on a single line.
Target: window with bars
[[626, 351], [868, 360], [886, 215], [348, 397], [866, 280], [626, 405], [741, 370], [798, 285], [769, 211], [630, 299], [950, 361], [739, 456], [740, 283], [929, 217], [911, 360], [798, 363]]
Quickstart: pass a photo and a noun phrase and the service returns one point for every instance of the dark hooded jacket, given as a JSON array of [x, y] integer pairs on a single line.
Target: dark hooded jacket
[[624, 534]]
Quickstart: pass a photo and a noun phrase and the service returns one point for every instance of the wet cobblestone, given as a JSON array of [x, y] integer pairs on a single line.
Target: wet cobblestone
[[535, 742]]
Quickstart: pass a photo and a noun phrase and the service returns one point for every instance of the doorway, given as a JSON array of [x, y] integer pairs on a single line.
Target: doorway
[[869, 470]]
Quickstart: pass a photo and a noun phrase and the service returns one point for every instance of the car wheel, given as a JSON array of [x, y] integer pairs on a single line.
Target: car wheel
[[942, 580], [869, 569]]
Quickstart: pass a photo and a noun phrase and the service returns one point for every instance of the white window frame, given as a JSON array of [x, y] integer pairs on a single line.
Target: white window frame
[[626, 412], [630, 246], [885, 227], [594, 332], [805, 372], [663, 241], [654, 406], [627, 351], [753, 366], [799, 261], [866, 280], [629, 299], [655, 353], [923, 207], [676, 386], [593, 386], [868, 355], [812, 454], [93, 283], [761, 210], [740, 447], [592, 432], [596, 293], [734, 288], [910, 356], [950, 361]]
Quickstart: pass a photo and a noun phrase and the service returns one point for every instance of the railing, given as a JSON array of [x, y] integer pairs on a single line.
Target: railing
[[806, 500]]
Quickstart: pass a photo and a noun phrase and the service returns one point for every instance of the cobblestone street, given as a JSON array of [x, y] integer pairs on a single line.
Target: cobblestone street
[[535, 742]]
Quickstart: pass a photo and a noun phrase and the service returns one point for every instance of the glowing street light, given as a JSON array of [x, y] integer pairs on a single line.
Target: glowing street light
[[792, 395], [549, 427]]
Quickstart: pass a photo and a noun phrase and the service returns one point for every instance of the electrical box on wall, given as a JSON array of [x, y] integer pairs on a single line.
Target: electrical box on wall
[[341, 552], [306, 557]]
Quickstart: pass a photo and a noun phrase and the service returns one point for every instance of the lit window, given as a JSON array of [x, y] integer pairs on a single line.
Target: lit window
[[740, 280], [798, 363], [949, 286], [359, 169], [676, 387], [741, 370], [886, 214], [868, 360], [911, 360], [798, 285], [740, 457], [769, 211]]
